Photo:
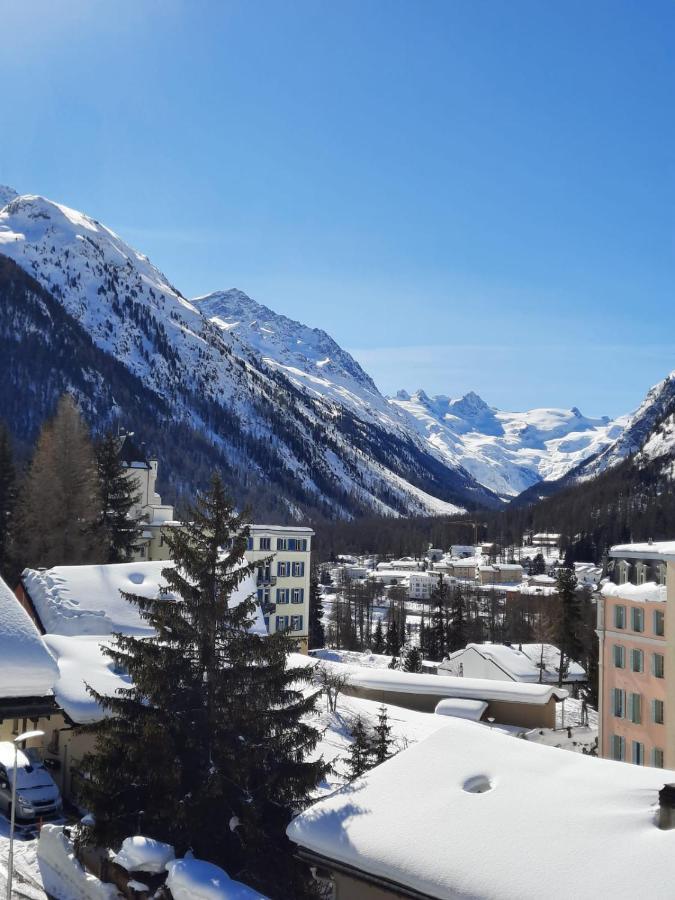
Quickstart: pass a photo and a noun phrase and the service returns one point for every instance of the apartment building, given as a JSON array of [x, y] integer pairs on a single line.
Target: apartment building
[[282, 577], [636, 629]]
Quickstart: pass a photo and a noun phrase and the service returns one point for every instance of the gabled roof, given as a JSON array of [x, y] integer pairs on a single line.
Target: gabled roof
[[27, 669]]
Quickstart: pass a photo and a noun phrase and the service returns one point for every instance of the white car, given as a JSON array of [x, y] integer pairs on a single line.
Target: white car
[[37, 796]]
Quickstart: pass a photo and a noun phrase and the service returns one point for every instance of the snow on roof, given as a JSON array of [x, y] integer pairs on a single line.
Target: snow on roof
[[446, 685], [282, 529], [72, 600], [650, 550], [195, 879], [475, 799], [81, 662], [27, 669], [462, 709], [523, 664], [649, 592]]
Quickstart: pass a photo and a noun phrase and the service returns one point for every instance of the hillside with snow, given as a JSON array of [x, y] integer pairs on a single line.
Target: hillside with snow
[[298, 431], [507, 452]]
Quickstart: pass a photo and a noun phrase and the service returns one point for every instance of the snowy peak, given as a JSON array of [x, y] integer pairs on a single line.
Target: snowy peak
[[307, 355], [470, 406]]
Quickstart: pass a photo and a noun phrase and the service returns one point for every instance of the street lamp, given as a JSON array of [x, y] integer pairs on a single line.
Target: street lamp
[[26, 736]]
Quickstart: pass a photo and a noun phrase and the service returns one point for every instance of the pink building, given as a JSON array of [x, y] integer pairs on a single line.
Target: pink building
[[637, 676]]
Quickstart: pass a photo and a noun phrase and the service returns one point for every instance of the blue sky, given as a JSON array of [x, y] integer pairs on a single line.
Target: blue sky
[[467, 195]]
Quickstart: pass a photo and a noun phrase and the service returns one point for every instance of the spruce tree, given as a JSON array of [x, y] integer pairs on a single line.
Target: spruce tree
[[360, 750], [382, 741], [571, 620], [436, 633], [413, 660], [7, 502], [121, 530], [457, 630], [210, 740], [392, 640], [60, 506], [378, 638], [316, 636]]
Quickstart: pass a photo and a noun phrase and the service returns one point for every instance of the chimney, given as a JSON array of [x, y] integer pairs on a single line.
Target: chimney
[[666, 817]]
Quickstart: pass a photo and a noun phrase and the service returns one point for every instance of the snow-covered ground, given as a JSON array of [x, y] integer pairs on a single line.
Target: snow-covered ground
[[27, 881]]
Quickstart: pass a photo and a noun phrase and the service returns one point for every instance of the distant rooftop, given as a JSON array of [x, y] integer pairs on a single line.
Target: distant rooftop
[[648, 550]]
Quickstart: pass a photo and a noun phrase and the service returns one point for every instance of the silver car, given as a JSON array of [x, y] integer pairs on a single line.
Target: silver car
[[37, 796]]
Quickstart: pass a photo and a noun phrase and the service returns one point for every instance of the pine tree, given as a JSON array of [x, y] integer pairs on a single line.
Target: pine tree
[[457, 631], [120, 528], [436, 633], [7, 503], [378, 638], [360, 750], [571, 620], [413, 660], [60, 506], [210, 740], [382, 741], [316, 637], [392, 640]]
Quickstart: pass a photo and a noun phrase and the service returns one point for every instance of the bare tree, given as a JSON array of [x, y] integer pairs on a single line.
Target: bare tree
[[331, 683]]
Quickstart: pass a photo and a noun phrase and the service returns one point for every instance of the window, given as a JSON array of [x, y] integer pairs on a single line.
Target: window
[[660, 573], [657, 665], [637, 619], [297, 595], [298, 569], [635, 708], [283, 569], [657, 712], [637, 660], [296, 623], [657, 758], [281, 623], [638, 753], [659, 623], [282, 595], [619, 616], [619, 656], [265, 543], [249, 543], [618, 702], [618, 745]]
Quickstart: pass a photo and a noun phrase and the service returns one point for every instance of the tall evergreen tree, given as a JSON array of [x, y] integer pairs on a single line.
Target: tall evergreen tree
[[413, 660], [60, 506], [210, 739], [436, 633], [457, 626], [378, 638], [317, 637], [392, 640], [382, 741], [571, 620], [121, 530], [360, 750], [7, 502]]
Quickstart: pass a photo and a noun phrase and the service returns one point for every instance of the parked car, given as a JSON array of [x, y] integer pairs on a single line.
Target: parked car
[[37, 796]]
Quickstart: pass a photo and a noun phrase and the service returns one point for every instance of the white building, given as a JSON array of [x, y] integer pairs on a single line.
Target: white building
[[421, 585], [529, 663]]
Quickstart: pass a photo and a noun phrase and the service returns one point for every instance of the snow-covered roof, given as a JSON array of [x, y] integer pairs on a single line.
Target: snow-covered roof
[[27, 669], [523, 664], [649, 592], [75, 600], [649, 550], [82, 662], [462, 709], [397, 681], [282, 529], [475, 799]]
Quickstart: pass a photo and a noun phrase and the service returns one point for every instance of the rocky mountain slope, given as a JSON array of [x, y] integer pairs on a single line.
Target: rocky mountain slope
[[293, 441]]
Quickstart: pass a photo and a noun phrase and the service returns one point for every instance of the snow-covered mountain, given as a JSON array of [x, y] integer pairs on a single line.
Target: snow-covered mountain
[[507, 451], [293, 421]]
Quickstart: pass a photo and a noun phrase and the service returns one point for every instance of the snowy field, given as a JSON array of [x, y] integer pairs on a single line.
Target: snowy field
[[27, 881]]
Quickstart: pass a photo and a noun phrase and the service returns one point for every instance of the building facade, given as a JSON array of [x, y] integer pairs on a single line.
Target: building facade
[[282, 577], [636, 630]]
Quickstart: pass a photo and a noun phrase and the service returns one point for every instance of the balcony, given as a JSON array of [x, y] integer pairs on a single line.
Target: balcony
[[266, 580]]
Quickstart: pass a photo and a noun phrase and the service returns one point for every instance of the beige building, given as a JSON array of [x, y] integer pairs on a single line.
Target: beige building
[[155, 515], [636, 629], [282, 577], [500, 573]]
